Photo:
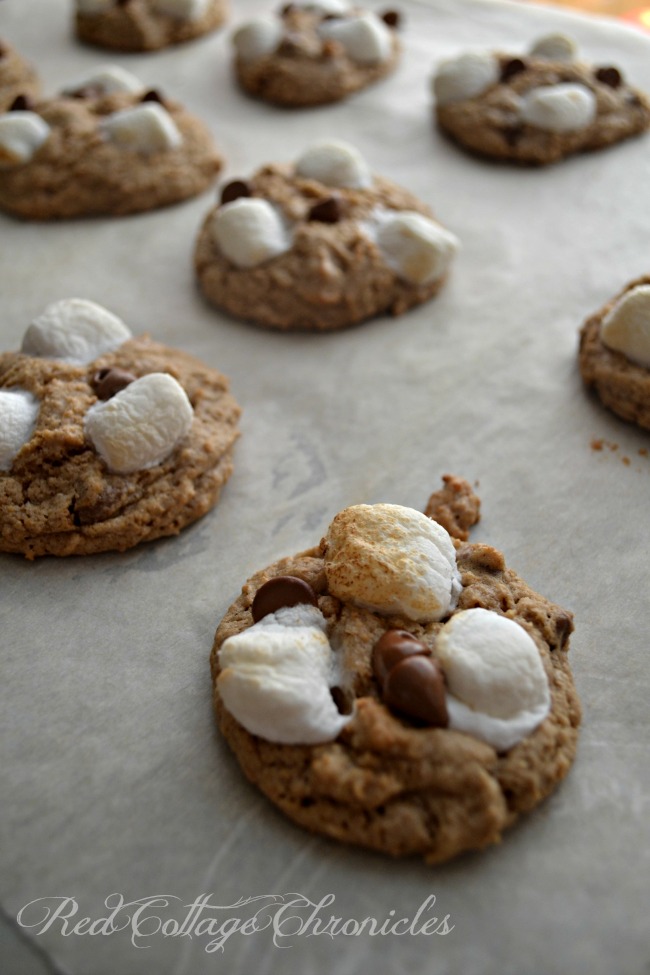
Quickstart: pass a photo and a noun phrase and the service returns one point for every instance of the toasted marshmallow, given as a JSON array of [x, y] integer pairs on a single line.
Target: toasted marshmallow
[[107, 80], [465, 77], [555, 47], [74, 330], [141, 425], [334, 163], [626, 328], [18, 412], [276, 676], [392, 560], [181, 9], [366, 39], [417, 248], [559, 108], [257, 38], [249, 231], [498, 689], [92, 7], [147, 128], [21, 135]]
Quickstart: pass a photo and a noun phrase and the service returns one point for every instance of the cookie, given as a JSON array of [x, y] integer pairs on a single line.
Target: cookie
[[396, 688], [320, 244], [106, 145], [315, 53], [536, 108], [106, 440], [146, 25], [614, 353], [17, 77]]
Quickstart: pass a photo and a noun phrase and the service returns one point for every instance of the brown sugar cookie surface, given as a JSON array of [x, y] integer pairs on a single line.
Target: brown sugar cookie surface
[[320, 244], [106, 145], [314, 53], [614, 354], [536, 108], [417, 703], [146, 25], [106, 440], [17, 76]]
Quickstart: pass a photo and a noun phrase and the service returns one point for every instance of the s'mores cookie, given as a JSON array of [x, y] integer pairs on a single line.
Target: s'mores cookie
[[320, 244], [395, 687], [106, 440], [146, 25]]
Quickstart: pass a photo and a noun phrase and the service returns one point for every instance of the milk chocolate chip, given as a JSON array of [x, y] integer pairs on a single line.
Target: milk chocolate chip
[[153, 96], [511, 68], [609, 76], [391, 18], [108, 382], [415, 686], [281, 591], [329, 210], [232, 191], [393, 646], [21, 103]]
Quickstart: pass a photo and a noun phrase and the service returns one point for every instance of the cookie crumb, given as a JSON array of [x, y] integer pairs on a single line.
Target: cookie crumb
[[456, 507]]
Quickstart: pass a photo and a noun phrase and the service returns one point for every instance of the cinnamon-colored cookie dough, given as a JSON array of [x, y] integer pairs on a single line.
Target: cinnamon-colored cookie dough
[[17, 77], [320, 244], [146, 25], [314, 53], [537, 107], [350, 716], [105, 146], [614, 353], [106, 440]]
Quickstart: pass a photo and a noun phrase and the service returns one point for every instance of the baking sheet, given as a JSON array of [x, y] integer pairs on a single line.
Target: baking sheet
[[115, 781]]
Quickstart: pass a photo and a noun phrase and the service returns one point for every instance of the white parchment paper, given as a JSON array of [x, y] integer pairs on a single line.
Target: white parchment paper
[[115, 780]]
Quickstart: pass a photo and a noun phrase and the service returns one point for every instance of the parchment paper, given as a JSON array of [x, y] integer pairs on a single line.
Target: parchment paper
[[115, 780]]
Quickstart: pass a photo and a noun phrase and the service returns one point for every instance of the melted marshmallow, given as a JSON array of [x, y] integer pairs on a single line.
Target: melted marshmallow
[[626, 327], [334, 163], [249, 231], [465, 77], [74, 330], [18, 413], [21, 135]]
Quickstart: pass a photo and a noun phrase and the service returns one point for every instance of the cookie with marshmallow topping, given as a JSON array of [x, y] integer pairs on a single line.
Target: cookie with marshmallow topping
[[106, 440], [398, 687], [320, 244], [146, 25], [18, 79], [105, 145], [536, 107], [314, 53], [614, 353]]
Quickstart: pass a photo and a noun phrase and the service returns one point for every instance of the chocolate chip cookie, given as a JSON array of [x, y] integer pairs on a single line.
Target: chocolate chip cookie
[[17, 77], [106, 440], [397, 688], [538, 107], [320, 244], [146, 25]]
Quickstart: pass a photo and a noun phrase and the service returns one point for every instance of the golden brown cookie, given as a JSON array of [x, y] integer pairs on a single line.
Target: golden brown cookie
[[146, 25], [106, 440], [316, 52], [397, 689], [614, 353], [320, 244], [536, 108], [106, 145], [17, 77]]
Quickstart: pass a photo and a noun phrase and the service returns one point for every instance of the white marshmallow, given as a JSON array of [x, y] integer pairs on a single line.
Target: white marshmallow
[[465, 77], [392, 560], [417, 248], [333, 8], [91, 7], [147, 128], [21, 135], [141, 425], [109, 79], [559, 108], [334, 163], [555, 47], [249, 231], [366, 39], [626, 328], [257, 38], [498, 689], [74, 330], [276, 676], [181, 9], [18, 412]]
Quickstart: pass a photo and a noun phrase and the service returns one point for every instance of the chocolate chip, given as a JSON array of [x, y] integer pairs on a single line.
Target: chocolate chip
[[609, 76], [391, 18], [415, 686], [281, 591], [153, 96], [108, 382], [391, 648], [512, 134], [122, 3], [21, 103], [343, 699], [511, 68], [329, 210], [232, 191], [3, 50], [563, 629], [287, 9]]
